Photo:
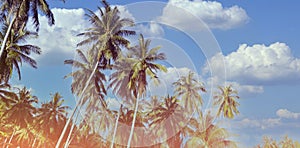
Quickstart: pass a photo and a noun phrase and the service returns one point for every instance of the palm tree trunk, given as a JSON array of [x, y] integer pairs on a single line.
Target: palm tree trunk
[[115, 130], [77, 105], [33, 143], [3, 146], [10, 139], [133, 122], [6, 34], [71, 130]]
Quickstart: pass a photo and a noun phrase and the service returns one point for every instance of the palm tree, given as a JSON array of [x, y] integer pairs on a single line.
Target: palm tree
[[269, 143], [6, 96], [107, 33], [51, 116], [16, 52], [85, 73], [17, 13], [205, 134], [188, 87], [227, 102], [126, 119], [106, 39], [21, 110], [84, 67], [169, 114], [86, 138], [143, 64]]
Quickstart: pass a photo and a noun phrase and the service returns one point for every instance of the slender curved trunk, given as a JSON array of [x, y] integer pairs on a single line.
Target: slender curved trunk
[[6, 34], [115, 129], [68, 141], [32, 146], [3, 146], [10, 139], [77, 105], [133, 122]]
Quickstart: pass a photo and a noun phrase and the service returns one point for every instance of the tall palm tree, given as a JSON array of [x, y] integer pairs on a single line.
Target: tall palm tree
[[188, 88], [6, 95], [16, 52], [205, 134], [94, 90], [106, 35], [170, 115], [21, 110], [17, 13], [51, 116], [268, 142], [83, 69], [227, 102], [143, 63], [87, 138], [125, 120]]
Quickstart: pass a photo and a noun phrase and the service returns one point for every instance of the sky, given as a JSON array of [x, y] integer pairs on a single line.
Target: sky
[[255, 42]]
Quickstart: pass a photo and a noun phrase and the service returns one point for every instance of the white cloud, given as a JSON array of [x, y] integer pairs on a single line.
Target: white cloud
[[258, 64], [58, 42], [284, 113], [247, 90], [255, 123], [210, 12], [151, 29], [244, 90]]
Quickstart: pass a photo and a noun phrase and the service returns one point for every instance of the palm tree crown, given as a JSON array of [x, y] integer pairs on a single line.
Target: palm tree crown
[[16, 52], [187, 87], [107, 33], [227, 102]]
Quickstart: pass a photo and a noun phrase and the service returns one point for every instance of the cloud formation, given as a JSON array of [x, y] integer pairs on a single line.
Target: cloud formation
[[211, 13], [284, 113], [151, 29], [259, 65], [58, 42], [256, 123]]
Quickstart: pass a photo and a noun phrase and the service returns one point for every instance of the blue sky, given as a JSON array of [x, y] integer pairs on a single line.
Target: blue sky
[[259, 41]]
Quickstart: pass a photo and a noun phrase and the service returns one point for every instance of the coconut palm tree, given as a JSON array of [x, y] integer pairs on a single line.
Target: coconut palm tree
[[86, 138], [188, 88], [17, 13], [51, 116], [227, 102], [21, 110], [205, 134], [16, 52], [170, 115], [142, 62], [93, 92], [83, 68], [106, 35], [6, 95], [125, 120]]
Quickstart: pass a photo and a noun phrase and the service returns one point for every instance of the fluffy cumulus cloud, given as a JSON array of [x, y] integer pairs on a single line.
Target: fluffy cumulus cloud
[[244, 90], [211, 13], [151, 29], [284, 113], [256, 123], [58, 42], [259, 64]]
